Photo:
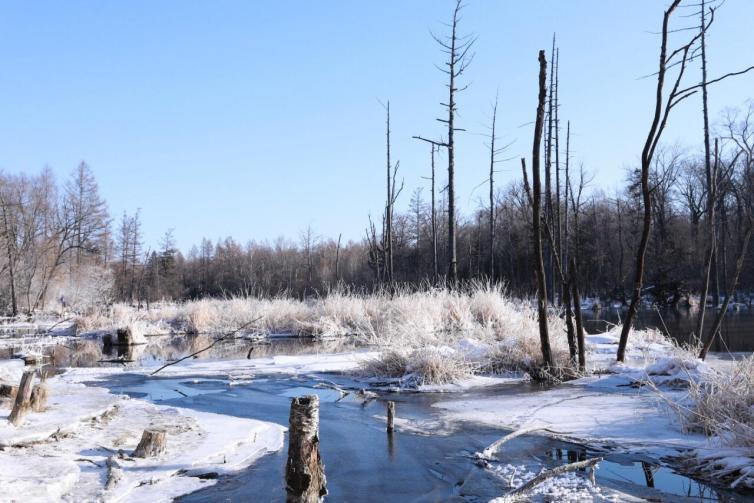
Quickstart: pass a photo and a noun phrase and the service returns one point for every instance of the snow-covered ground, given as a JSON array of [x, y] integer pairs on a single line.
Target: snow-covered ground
[[85, 437], [87, 433]]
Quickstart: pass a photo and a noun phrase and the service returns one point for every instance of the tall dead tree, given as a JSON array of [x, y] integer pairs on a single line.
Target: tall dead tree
[[558, 230], [435, 271], [711, 180], [548, 175], [457, 48], [391, 197], [494, 151], [539, 265], [337, 260]]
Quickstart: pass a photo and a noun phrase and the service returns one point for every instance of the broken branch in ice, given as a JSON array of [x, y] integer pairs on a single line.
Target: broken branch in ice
[[520, 491], [489, 453], [207, 348]]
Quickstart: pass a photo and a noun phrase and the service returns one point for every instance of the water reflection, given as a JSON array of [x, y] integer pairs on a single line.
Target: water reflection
[[680, 322], [90, 352]]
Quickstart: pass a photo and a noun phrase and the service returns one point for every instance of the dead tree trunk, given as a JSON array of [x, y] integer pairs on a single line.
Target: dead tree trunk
[[435, 270], [389, 204], [492, 195], [22, 405], [711, 177], [550, 278], [457, 48], [558, 223], [305, 472], [38, 399], [536, 216], [576, 296], [390, 416]]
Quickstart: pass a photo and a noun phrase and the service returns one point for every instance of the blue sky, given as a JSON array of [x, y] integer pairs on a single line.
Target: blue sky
[[256, 119]]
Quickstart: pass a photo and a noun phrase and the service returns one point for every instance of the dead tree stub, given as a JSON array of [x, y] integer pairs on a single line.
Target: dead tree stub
[[304, 472]]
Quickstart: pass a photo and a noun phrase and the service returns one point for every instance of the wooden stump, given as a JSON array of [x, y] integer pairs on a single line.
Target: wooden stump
[[390, 416], [129, 336], [7, 391], [39, 397], [32, 360], [23, 399], [304, 472], [152, 444]]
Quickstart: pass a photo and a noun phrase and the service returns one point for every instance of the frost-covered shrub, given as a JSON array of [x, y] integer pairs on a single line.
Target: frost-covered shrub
[[422, 366], [724, 404]]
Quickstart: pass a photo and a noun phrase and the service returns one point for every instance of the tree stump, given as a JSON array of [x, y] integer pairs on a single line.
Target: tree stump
[[304, 472], [23, 399], [390, 416], [32, 360], [152, 444], [131, 335], [39, 397], [8, 391]]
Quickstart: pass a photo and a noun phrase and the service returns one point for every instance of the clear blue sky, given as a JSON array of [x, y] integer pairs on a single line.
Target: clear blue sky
[[256, 119]]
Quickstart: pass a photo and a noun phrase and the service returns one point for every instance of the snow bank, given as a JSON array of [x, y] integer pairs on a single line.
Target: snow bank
[[68, 451], [630, 421]]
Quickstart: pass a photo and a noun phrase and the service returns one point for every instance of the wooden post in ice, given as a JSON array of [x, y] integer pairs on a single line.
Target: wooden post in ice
[[304, 472], [23, 399], [152, 444], [390, 416]]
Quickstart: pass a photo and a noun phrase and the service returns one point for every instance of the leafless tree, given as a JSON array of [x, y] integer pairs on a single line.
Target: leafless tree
[[539, 267], [457, 48]]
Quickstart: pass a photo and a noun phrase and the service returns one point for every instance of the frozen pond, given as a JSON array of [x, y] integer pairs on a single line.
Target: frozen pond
[[427, 459], [737, 329]]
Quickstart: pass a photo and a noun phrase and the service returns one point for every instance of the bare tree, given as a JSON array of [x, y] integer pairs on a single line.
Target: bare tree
[[494, 152], [536, 216], [457, 48], [663, 106]]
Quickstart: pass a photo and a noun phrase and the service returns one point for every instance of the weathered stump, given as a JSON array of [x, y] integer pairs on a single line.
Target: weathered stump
[[131, 335], [23, 399], [304, 472], [32, 360], [153, 443], [7, 391], [39, 397], [390, 416]]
